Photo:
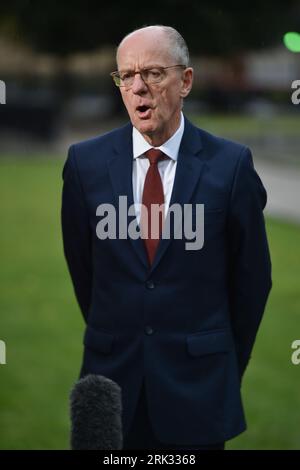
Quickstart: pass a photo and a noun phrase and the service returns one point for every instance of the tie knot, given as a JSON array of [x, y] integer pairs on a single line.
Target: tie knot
[[155, 155]]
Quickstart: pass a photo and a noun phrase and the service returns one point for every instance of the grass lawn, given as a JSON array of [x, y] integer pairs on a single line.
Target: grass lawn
[[248, 126], [42, 327]]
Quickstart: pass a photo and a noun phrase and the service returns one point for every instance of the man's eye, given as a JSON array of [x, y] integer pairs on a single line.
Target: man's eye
[[154, 73], [125, 75]]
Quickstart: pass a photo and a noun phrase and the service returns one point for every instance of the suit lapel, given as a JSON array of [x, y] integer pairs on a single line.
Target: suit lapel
[[120, 170], [188, 172]]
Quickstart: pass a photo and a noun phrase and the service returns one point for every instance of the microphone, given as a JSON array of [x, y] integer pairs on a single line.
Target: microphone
[[96, 408]]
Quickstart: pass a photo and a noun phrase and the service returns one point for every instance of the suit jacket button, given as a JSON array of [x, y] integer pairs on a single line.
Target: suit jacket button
[[150, 284], [149, 330]]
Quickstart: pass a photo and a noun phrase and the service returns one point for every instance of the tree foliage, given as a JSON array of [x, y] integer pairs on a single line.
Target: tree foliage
[[209, 27]]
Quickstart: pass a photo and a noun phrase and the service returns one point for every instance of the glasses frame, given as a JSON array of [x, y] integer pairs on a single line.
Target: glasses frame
[[116, 74]]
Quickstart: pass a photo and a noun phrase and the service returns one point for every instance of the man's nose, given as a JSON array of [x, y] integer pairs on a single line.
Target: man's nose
[[138, 85]]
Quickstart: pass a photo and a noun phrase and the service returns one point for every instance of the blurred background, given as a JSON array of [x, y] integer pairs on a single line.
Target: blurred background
[[55, 59]]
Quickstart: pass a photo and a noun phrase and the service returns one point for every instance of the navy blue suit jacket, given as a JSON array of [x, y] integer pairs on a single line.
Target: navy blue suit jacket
[[188, 323]]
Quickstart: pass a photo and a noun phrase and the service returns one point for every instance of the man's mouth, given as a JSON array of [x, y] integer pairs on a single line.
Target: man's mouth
[[143, 111]]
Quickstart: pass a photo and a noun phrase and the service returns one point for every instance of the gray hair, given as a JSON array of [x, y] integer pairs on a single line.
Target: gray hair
[[178, 46]]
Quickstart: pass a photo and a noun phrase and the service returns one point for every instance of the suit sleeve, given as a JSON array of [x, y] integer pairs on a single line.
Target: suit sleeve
[[249, 258], [76, 233]]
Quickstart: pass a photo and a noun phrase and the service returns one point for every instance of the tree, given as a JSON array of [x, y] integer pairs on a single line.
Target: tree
[[209, 27]]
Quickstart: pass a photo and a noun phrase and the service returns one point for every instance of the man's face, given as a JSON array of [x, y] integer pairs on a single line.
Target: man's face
[[154, 109]]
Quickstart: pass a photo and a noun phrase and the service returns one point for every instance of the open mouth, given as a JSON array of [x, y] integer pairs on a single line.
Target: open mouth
[[143, 111]]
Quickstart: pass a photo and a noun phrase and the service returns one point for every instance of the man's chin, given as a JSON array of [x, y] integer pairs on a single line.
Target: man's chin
[[145, 126]]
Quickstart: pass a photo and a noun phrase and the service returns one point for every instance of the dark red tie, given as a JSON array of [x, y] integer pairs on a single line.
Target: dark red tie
[[153, 193]]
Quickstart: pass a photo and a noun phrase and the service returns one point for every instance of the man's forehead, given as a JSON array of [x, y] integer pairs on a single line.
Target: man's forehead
[[143, 57]]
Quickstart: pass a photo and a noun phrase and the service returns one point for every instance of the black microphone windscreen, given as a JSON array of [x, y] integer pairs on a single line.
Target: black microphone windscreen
[[96, 409]]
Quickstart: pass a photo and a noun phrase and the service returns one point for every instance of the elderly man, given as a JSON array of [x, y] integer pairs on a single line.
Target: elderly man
[[174, 327]]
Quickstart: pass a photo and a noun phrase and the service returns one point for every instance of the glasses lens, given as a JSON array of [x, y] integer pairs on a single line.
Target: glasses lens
[[115, 78], [153, 75], [125, 79]]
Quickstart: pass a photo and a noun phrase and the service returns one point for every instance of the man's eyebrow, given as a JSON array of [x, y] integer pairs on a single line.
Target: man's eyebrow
[[151, 66]]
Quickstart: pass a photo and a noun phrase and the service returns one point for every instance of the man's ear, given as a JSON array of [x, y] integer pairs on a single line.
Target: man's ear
[[187, 81]]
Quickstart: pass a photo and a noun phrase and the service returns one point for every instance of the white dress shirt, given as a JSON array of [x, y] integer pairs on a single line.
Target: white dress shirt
[[166, 168]]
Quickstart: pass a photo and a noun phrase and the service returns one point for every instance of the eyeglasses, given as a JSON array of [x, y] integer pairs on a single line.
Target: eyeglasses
[[149, 76]]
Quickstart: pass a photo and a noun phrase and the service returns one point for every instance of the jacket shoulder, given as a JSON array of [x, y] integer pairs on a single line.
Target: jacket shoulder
[[104, 140], [215, 144]]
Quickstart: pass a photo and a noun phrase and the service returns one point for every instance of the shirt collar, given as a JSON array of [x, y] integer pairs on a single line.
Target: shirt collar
[[169, 148]]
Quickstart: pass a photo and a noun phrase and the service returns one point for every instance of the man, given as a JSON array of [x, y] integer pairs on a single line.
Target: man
[[174, 327]]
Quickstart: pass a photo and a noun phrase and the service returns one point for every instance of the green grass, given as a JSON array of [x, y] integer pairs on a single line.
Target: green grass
[[42, 327], [272, 383], [286, 125], [40, 321]]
